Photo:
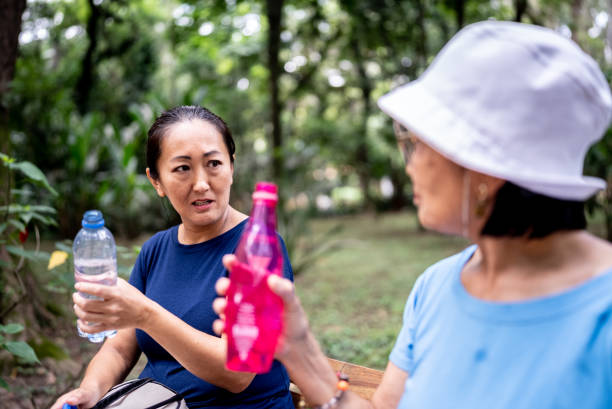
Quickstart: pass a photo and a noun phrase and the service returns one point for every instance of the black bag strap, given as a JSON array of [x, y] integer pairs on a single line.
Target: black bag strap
[[176, 398], [119, 392]]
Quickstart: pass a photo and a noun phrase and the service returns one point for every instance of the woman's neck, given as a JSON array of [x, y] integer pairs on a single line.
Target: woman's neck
[[198, 234], [514, 269]]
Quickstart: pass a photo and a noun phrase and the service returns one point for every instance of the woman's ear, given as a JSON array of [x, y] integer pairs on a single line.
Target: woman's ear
[[156, 184]]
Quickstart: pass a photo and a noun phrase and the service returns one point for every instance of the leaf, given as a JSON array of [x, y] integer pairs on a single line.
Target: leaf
[[33, 173], [11, 328], [3, 384], [21, 350], [57, 258], [44, 219], [42, 209], [48, 349], [17, 224], [20, 252], [64, 247], [6, 159]]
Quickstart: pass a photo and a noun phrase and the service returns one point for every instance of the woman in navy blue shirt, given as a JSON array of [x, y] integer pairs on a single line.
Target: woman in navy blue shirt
[[165, 309]]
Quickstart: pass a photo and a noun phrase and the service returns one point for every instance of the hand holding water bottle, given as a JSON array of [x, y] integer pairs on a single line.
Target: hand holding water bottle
[[115, 307], [95, 261], [103, 303]]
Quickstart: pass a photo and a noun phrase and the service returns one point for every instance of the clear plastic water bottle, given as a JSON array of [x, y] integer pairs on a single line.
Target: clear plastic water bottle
[[253, 313], [95, 260]]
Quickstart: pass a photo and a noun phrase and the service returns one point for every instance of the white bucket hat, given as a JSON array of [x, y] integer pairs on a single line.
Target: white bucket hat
[[514, 101]]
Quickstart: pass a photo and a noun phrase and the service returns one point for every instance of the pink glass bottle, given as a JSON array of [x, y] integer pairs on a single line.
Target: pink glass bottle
[[253, 314]]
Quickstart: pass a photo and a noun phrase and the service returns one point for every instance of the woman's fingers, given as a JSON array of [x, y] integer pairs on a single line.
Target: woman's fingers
[[218, 327], [228, 261], [219, 305], [97, 290], [90, 327], [79, 396], [222, 285]]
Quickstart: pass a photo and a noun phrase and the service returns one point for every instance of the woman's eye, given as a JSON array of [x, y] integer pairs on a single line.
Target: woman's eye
[[214, 163], [182, 168]]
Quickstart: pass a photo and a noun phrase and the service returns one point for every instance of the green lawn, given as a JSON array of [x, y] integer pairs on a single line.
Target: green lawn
[[355, 295]]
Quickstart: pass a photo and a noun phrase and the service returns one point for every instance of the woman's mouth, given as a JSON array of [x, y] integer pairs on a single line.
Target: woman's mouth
[[202, 204]]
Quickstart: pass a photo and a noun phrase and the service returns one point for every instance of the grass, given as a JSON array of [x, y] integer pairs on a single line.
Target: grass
[[355, 296]]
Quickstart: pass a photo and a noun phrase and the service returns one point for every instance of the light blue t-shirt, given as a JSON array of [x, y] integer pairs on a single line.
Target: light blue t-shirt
[[464, 353]]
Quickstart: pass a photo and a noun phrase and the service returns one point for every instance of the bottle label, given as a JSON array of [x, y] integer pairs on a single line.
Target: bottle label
[[244, 331]]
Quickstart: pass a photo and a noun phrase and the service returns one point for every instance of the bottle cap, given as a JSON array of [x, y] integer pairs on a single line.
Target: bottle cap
[[92, 219], [68, 406], [266, 191]]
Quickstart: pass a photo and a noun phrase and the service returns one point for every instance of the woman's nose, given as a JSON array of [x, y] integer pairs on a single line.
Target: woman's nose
[[409, 168], [201, 182]]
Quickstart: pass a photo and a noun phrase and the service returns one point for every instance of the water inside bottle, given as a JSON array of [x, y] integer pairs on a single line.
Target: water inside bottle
[[97, 271]]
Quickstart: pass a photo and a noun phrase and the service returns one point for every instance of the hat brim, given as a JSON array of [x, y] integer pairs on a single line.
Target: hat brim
[[414, 107]]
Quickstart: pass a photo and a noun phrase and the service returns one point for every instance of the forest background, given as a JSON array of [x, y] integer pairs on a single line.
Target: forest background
[[81, 81]]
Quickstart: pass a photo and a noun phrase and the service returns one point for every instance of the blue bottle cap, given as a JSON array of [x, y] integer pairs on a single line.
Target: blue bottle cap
[[68, 406], [92, 219]]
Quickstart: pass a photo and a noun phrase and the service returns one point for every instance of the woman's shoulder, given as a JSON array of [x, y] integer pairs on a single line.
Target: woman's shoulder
[[439, 276], [447, 267]]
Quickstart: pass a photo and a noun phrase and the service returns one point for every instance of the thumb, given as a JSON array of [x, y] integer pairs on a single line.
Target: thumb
[[282, 287]]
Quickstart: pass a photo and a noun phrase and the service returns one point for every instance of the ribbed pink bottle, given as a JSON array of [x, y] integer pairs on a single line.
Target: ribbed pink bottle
[[253, 314]]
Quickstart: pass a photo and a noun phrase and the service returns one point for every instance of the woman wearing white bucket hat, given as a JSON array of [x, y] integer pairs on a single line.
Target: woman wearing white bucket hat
[[494, 134]]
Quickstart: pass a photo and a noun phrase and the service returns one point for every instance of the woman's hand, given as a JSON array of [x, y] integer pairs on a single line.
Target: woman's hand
[[82, 397], [295, 323], [120, 306]]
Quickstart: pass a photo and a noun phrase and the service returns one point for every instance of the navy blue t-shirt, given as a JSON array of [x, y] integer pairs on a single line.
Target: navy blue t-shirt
[[182, 278]]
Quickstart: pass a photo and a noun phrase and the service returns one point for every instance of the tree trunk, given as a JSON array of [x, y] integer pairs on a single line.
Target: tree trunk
[[398, 180], [361, 154], [421, 44], [577, 25], [10, 27], [460, 13], [520, 8], [86, 79], [274, 13]]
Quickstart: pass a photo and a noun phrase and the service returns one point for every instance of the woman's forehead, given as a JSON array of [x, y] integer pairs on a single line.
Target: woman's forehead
[[192, 134]]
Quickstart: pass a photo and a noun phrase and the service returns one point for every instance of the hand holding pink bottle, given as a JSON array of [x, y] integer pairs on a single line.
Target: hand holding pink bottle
[[254, 313]]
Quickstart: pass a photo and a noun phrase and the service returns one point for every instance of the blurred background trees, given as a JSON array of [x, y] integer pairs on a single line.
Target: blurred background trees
[[296, 80]]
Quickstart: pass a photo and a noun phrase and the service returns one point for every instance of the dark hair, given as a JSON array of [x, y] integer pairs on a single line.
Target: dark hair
[[180, 114], [518, 212]]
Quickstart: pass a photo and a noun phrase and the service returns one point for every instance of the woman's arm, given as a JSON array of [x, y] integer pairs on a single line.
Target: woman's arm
[[109, 366], [299, 351], [123, 306]]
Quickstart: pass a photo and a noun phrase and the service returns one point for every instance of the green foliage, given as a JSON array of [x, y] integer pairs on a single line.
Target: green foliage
[[18, 349], [336, 59], [18, 218]]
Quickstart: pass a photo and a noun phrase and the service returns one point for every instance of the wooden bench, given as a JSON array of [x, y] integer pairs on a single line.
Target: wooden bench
[[363, 380]]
